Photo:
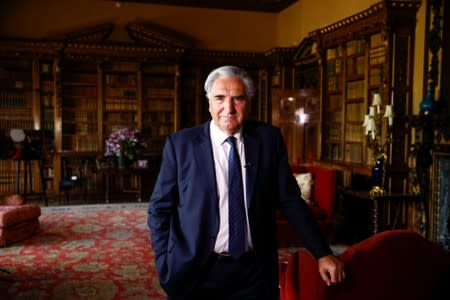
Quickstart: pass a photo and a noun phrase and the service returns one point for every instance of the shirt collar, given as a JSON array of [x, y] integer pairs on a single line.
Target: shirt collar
[[218, 137]]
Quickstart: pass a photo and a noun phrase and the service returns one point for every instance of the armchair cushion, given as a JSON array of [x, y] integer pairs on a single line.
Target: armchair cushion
[[305, 182]]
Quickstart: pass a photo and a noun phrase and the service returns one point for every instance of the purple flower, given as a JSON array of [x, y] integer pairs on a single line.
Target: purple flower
[[124, 142]]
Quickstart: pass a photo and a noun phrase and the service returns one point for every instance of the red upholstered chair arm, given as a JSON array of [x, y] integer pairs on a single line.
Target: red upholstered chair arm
[[392, 265], [304, 270]]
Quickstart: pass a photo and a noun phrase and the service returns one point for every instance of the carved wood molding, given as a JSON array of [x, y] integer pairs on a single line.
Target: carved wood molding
[[11, 47], [385, 14], [155, 35], [93, 34], [245, 5]]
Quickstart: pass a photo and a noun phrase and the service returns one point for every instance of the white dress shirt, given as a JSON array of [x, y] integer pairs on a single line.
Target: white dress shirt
[[221, 150]]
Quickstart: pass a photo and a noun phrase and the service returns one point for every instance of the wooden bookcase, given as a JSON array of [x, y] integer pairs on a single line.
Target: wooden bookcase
[[371, 51], [80, 89], [120, 96], [16, 96], [160, 89], [79, 108], [28, 88]]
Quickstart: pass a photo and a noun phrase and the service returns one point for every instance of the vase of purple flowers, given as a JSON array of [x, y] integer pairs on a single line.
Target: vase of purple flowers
[[125, 144]]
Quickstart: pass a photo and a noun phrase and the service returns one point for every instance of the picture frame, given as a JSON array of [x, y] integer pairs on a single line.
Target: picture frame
[[105, 163], [439, 210]]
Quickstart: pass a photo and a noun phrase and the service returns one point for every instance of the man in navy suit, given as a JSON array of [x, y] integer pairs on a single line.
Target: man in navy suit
[[188, 209]]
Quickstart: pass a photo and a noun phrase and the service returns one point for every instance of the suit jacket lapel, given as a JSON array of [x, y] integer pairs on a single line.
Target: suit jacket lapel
[[204, 154], [252, 158]]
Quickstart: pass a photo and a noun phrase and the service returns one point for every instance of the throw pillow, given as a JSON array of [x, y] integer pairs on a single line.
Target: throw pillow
[[306, 183]]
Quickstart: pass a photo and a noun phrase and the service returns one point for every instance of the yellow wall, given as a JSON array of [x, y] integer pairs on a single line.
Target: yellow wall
[[212, 28], [295, 22]]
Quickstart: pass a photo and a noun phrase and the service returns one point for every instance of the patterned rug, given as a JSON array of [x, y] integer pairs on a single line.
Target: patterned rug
[[84, 252]]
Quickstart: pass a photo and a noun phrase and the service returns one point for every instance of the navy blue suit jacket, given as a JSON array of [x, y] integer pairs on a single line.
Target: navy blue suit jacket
[[184, 214]]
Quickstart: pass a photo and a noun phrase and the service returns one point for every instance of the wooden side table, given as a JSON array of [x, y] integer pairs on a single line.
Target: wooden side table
[[370, 214], [113, 172]]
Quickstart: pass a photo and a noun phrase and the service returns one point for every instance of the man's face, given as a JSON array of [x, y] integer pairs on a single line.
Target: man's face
[[228, 104]]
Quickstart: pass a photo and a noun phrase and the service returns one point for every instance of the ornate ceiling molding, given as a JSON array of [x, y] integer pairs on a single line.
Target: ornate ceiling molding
[[154, 35], [271, 6]]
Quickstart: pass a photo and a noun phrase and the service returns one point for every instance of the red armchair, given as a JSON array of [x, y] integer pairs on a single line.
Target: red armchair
[[392, 265], [322, 206]]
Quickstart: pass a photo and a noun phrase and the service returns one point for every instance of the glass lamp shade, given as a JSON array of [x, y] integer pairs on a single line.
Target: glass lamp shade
[[428, 104]]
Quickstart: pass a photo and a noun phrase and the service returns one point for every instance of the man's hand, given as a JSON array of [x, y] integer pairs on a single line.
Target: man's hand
[[331, 269]]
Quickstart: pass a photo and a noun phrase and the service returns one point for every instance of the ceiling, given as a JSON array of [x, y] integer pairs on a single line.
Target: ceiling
[[244, 5]]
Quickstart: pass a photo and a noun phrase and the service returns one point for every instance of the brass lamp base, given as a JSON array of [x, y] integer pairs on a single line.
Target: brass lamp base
[[377, 191]]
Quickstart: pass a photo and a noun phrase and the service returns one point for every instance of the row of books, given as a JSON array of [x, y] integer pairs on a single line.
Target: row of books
[[80, 104], [335, 116], [80, 78], [354, 112], [121, 92], [355, 89], [14, 99], [334, 102], [334, 66], [79, 128], [333, 151], [376, 76], [158, 116], [162, 130], [153, 92], [334, 83], [80, 91], [159, 105], [120, 105], [334, 52], [332, 131], [355, 47], [88, 143], [377, 56], [353, 153], [118, 80], [120, 117], [354, 132], [8, 177], [356, 66]]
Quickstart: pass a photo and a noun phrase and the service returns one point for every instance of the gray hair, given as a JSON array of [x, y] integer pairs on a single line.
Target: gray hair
[[230, 71]]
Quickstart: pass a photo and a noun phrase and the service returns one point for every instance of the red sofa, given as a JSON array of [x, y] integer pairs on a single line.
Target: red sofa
[[392, 265], [322, 206]]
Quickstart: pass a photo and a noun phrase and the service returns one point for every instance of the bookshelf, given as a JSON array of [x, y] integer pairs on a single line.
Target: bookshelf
[[121, 96], [159, 103], [16, 110], [80, 89], [46, 93], [371, 51], [16, 87], [79, 108]]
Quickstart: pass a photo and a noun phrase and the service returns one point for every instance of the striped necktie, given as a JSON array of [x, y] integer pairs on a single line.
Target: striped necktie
[[236, 209]]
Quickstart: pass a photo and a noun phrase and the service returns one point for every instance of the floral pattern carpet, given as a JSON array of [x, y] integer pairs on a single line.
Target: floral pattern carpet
[[83, 252]]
